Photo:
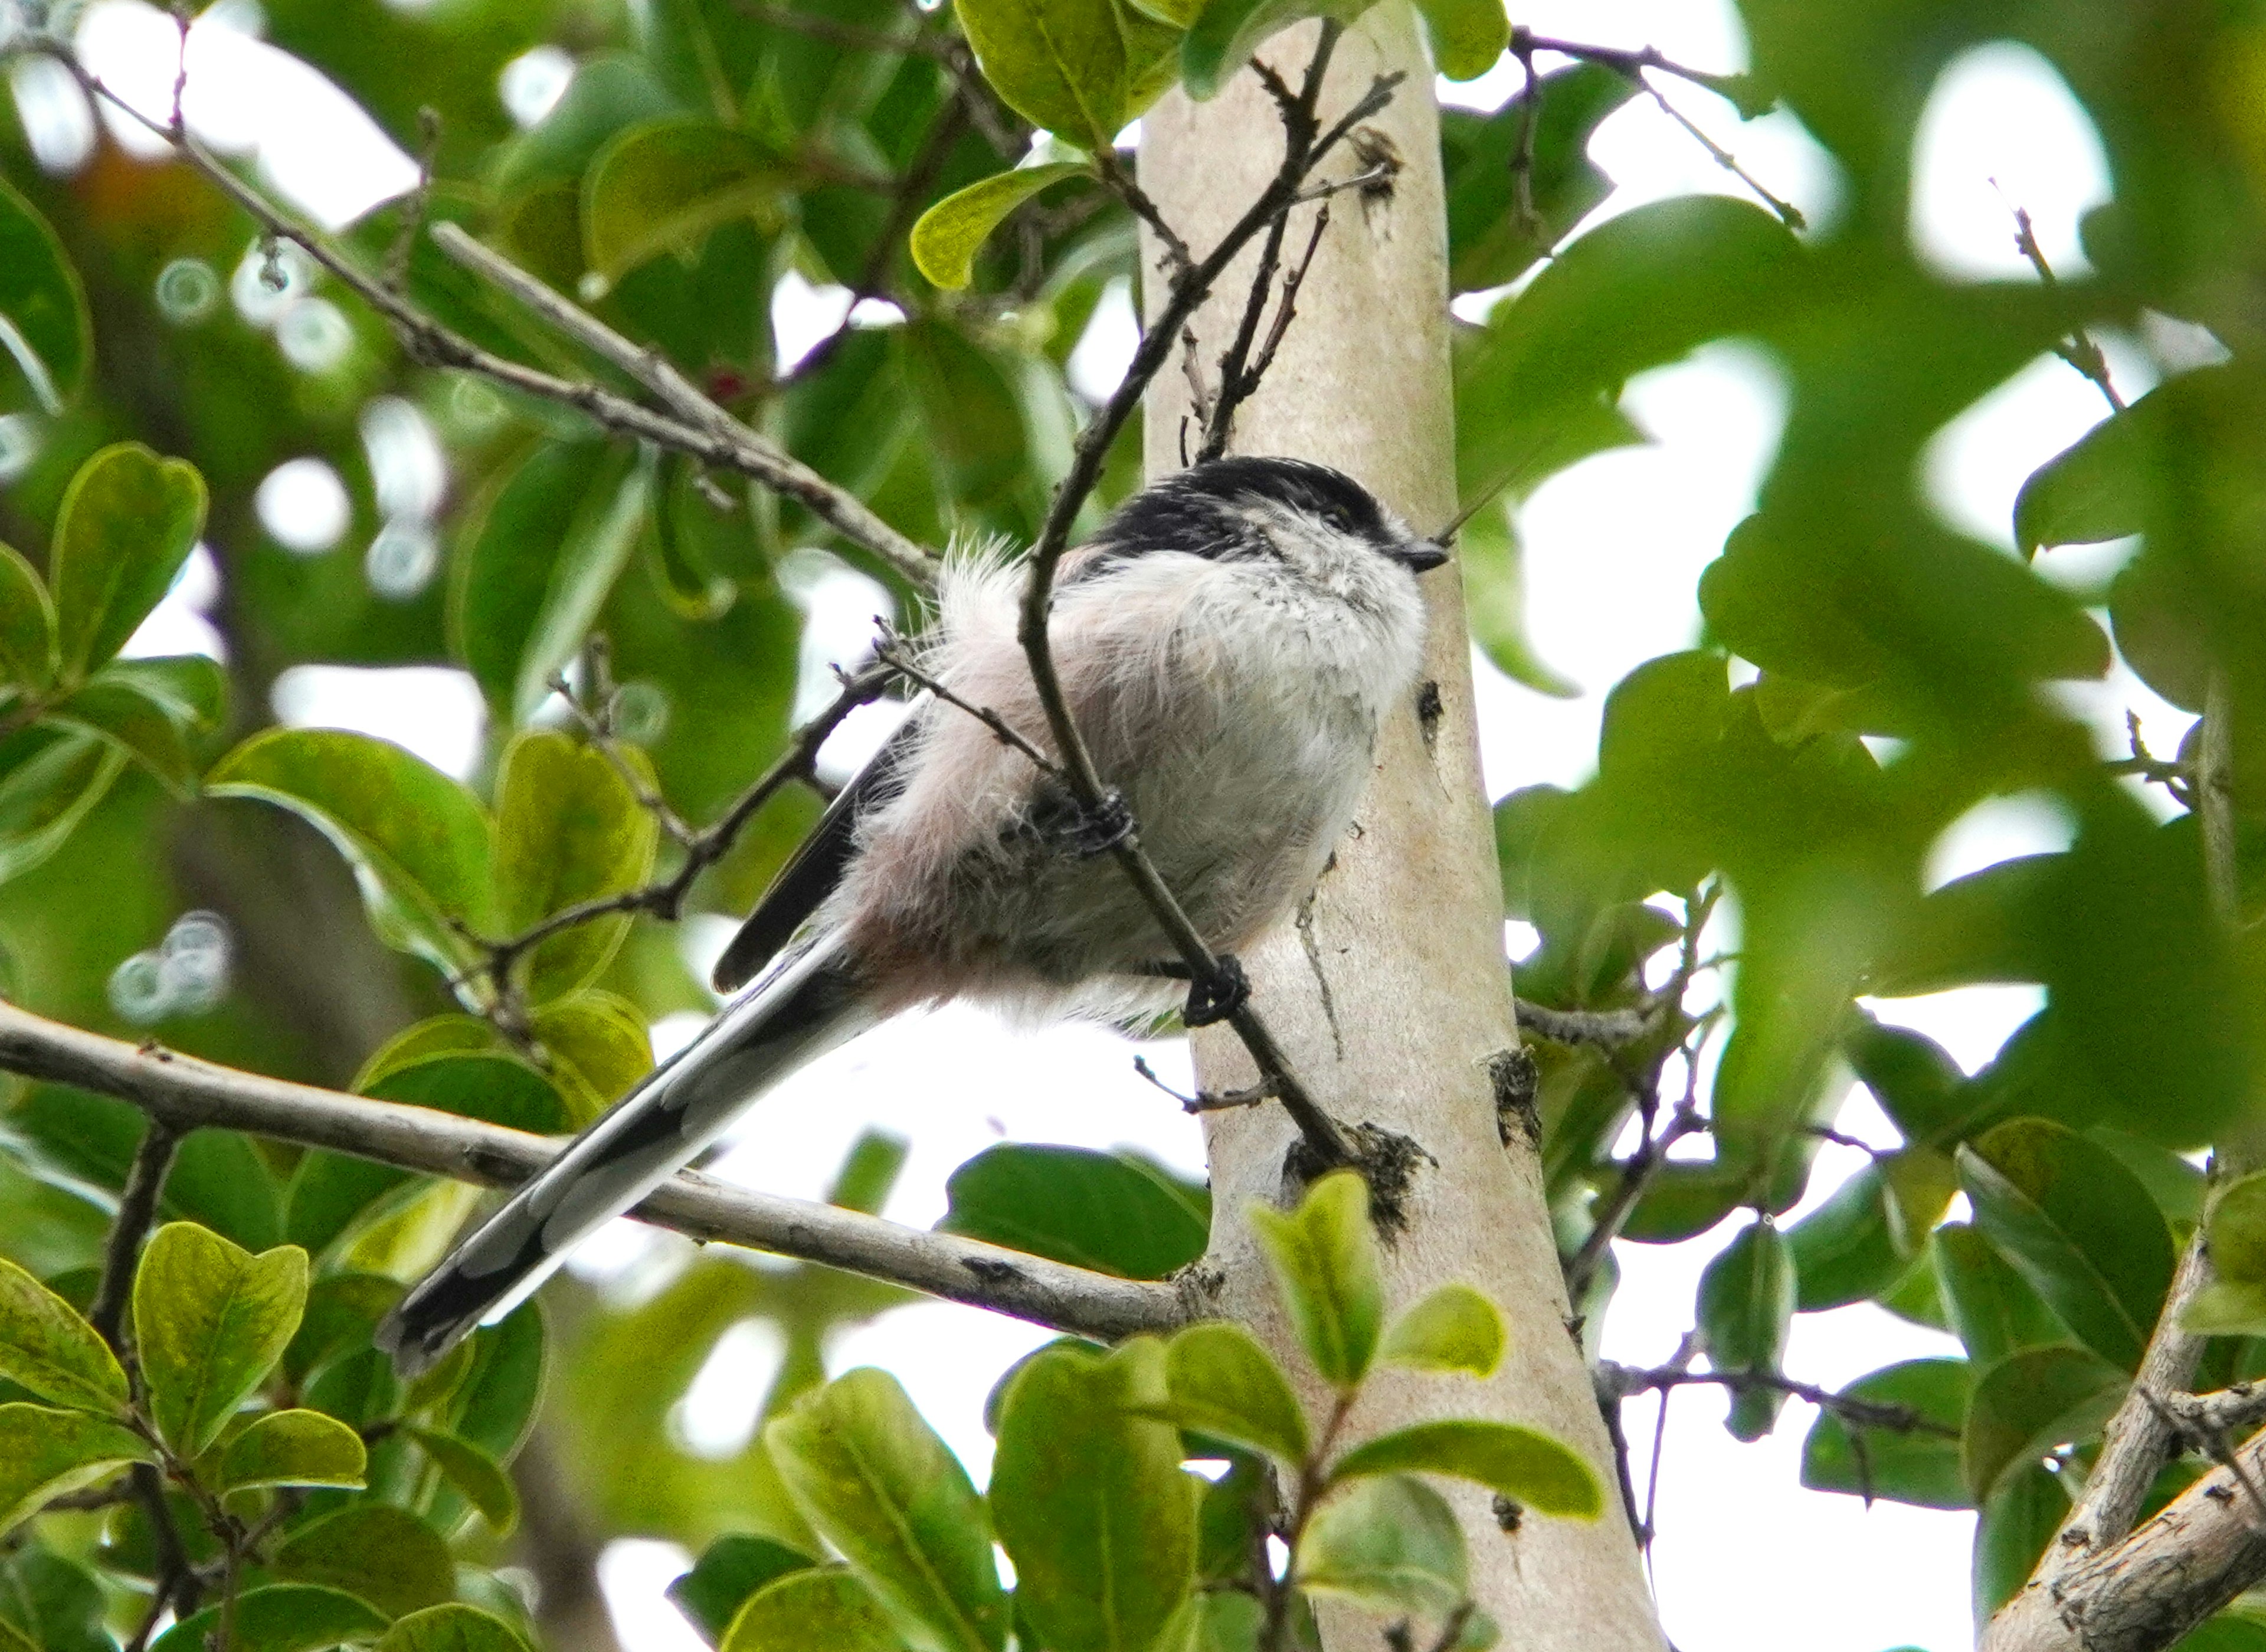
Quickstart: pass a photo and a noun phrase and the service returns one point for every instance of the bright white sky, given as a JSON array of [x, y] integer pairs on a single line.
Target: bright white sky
[[1747, 1559]]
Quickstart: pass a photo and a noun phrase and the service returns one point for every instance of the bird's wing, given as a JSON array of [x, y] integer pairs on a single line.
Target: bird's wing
[[817, 866]]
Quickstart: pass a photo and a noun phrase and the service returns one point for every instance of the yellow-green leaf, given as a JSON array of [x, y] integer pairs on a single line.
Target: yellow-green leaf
[[1517, 1461], [598, 1044], [1325, 1259], [210, 1320], [1223, 1384], [43, 799], [569, 828], [1468, 36], [1454, 1328], [126, 524], [475, 1473], [948, 235], [27, 623], [45, 1347], [451, 1628], [1081, 69], [45, 1454], [294, 1448], [43, 319], [824, 1607]]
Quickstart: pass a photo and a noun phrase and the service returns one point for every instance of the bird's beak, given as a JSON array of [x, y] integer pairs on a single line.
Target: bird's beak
[[1419, 556]]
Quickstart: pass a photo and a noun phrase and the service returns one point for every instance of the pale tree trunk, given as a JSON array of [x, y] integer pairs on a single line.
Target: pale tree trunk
[[1391, 993]]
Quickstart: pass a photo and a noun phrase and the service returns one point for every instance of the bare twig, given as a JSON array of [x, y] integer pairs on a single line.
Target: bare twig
[[137, 1213], [1208, 1101], [188, 1095], [1240, 374], [2080, 349], [1788, 212], [418, 203], [891, 653], [1305, 144], [1742, 91], [1622, 1381]]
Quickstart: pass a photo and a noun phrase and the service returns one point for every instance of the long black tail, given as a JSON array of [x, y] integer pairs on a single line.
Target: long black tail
[[806, 1008]]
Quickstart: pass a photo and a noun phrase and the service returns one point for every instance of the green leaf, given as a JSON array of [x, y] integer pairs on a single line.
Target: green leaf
[[294, 1448], [418, 840], [2078, 1226], [729, 1571], [873, 1481], [1091, 1503], [472, 1471], [137, 725], [1223, 1384], [1081, 69], [1746, 1304], [281, 1617], [1519, 1462], [1858, 1243], [43, 320], [56, 1604], [44, 1454], [664, 186], [569, 828], [1913, 1465], [948, 237], [826, 1606], [1990, 1309], [374, 1551], [27, 622], [1221, 1620], [45, 797], [451, 1628], [2013, 1531], [1325, 1259], [2235, 1303], [1468, 36], [210, 1320], [598, 1045], [2100, 488], [47, 1349], [126, 524], [1119, 1213], [1453, 1328], [1488, 246], [1391, 1544], [2028, 1404], [12, 1639]]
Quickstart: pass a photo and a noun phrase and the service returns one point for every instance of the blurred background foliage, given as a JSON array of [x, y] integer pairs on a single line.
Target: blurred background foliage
[[1866, 675]]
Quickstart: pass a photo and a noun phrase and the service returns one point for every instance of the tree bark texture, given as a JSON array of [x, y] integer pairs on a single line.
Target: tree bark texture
[[1392, 991]]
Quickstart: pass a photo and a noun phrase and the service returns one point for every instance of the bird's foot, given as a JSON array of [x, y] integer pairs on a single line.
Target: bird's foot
[[1103, 828], [1215, 999]]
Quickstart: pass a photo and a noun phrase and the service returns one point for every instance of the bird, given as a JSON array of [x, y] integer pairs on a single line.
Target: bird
[[1228, 641]]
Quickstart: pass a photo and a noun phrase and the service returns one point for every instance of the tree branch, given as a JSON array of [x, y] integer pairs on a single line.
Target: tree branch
[[1621, 1382], [188, 1094], [137, 1211]]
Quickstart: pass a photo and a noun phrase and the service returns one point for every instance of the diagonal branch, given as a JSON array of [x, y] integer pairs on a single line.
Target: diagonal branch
[[187, 1095]]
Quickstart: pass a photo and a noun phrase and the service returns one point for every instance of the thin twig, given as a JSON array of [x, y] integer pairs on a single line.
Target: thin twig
[[1788, 212], [1625, 1381], [1742, 91], [891, 653], [1208, 1101], [137, 1213], [188, 1094], [1305, 144], [419, 202], [2080, 349]]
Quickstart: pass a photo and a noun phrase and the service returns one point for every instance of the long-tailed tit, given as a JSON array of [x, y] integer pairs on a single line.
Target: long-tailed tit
[[1227, 644]]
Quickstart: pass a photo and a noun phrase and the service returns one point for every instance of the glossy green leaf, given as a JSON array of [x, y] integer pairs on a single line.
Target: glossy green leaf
[[2028, 1404], [1325, 1259], [451, 1628], [2078, 1226], [46, 797], [948, 237], [1222, 1383], [46, 1348], [874, 1479], [1226, 33], [293, 1448], [1488, 243], [1214, 1620], [27, 623], [1990, 1308], [210, 1322], [126, 524], [2099, 487], [729, 1571], [1860, 1241], [662, 187], [44, 1454], [1917, 1464], [134, 723], [1746, 1304], [282, 1618], [1390, 1543], [1119, 1213], [1452, 1328], [374, 1551], [597, 547], [2015, 1527], [43, 329], [824, 1607], [1081, 69], [1468, 36], [598, 1046], [1519, 1462], [569, 828], [472, 1471], [1091, 1502], [418, 840]]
